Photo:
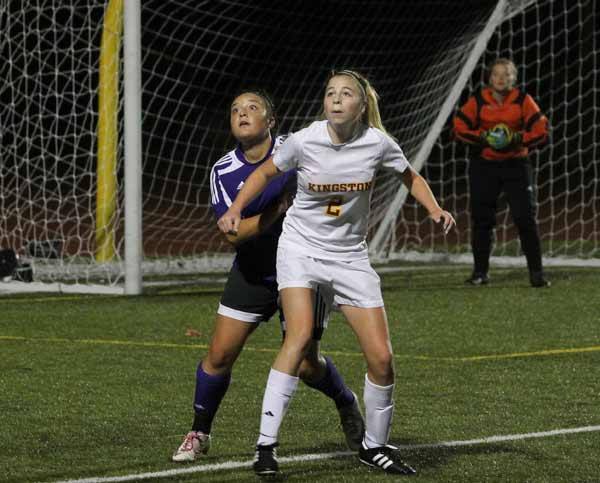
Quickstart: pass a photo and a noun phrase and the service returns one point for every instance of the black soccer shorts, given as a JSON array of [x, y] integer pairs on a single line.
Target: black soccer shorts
[[255, 302]]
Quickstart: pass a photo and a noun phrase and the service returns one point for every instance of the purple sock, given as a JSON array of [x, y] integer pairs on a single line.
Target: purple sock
[[209, 393], [333, 386]]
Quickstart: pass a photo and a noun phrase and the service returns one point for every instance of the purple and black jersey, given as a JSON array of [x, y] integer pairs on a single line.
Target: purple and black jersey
[[256, 258]]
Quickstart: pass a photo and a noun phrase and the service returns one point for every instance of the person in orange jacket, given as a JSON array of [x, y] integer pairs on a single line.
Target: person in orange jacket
[[502, 123]]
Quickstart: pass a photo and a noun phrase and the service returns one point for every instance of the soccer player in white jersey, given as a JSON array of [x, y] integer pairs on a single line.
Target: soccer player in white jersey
[[251, 294], [323, 242]]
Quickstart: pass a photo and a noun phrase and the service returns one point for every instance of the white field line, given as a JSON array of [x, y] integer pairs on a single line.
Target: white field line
[[232, 465]]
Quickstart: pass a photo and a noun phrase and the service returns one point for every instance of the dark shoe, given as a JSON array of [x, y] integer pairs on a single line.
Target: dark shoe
[[537, 280], [386, 458], [353, 424], [265, 461], [478, 279]]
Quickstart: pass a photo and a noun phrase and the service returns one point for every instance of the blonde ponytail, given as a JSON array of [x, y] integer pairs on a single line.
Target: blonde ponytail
[[373, 117]]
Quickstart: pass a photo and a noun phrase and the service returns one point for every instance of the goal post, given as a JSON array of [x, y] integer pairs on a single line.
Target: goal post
[[108, 130], [133, 147]]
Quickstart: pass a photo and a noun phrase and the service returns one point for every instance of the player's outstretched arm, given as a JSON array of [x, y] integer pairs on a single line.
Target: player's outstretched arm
[[254, 185], [419, 188]]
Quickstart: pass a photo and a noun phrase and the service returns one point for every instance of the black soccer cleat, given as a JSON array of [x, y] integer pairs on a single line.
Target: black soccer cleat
[[537, 280], [386, 458], [265, 461], [478, 279]]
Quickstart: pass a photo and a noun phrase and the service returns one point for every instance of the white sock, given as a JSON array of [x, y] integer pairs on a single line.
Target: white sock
[[278, 394], [379, 409]]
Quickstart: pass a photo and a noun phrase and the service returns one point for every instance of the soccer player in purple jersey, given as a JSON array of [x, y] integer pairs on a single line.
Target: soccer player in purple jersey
[[251, 293], [323, 243]]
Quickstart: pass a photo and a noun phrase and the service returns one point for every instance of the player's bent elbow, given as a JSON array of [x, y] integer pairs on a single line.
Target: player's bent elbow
[[232, 239], [235, 240]]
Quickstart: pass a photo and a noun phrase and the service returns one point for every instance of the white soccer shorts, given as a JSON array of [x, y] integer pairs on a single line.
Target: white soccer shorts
[[352, 283]]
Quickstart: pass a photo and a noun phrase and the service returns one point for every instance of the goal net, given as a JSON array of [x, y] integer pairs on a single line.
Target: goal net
[[61, 111], [554, 45]]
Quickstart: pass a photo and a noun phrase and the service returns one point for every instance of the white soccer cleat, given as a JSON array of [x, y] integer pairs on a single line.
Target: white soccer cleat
[[195, 443]]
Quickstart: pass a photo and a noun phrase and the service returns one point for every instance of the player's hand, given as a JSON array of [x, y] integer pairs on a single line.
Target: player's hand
[[230, 221], [444, 217], [517, 139]]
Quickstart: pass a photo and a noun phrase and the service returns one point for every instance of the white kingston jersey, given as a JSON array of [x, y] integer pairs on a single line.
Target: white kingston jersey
[[328, 219]]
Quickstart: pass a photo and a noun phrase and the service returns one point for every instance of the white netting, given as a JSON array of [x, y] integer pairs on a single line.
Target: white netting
[[196, 55], [554, 44], [48, 113]]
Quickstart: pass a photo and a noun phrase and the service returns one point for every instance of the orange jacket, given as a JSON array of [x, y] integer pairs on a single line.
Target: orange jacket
[[518, 111]]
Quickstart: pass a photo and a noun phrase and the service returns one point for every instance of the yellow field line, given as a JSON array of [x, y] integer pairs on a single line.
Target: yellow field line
[[105, 342], [548, 352], [169, 345]]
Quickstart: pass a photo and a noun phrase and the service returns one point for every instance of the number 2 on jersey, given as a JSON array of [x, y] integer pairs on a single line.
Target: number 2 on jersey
[[334, 206]]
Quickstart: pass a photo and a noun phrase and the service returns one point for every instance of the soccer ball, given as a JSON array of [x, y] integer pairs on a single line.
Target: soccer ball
[[499, 137]]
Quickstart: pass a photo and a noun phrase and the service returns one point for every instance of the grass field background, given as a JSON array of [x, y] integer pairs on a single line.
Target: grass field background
[[98, 386]]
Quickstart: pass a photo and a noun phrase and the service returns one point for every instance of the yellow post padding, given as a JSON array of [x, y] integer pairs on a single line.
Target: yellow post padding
[[108, 132]]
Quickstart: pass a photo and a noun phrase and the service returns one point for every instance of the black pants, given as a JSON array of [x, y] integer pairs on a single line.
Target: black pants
[[487, 179]]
